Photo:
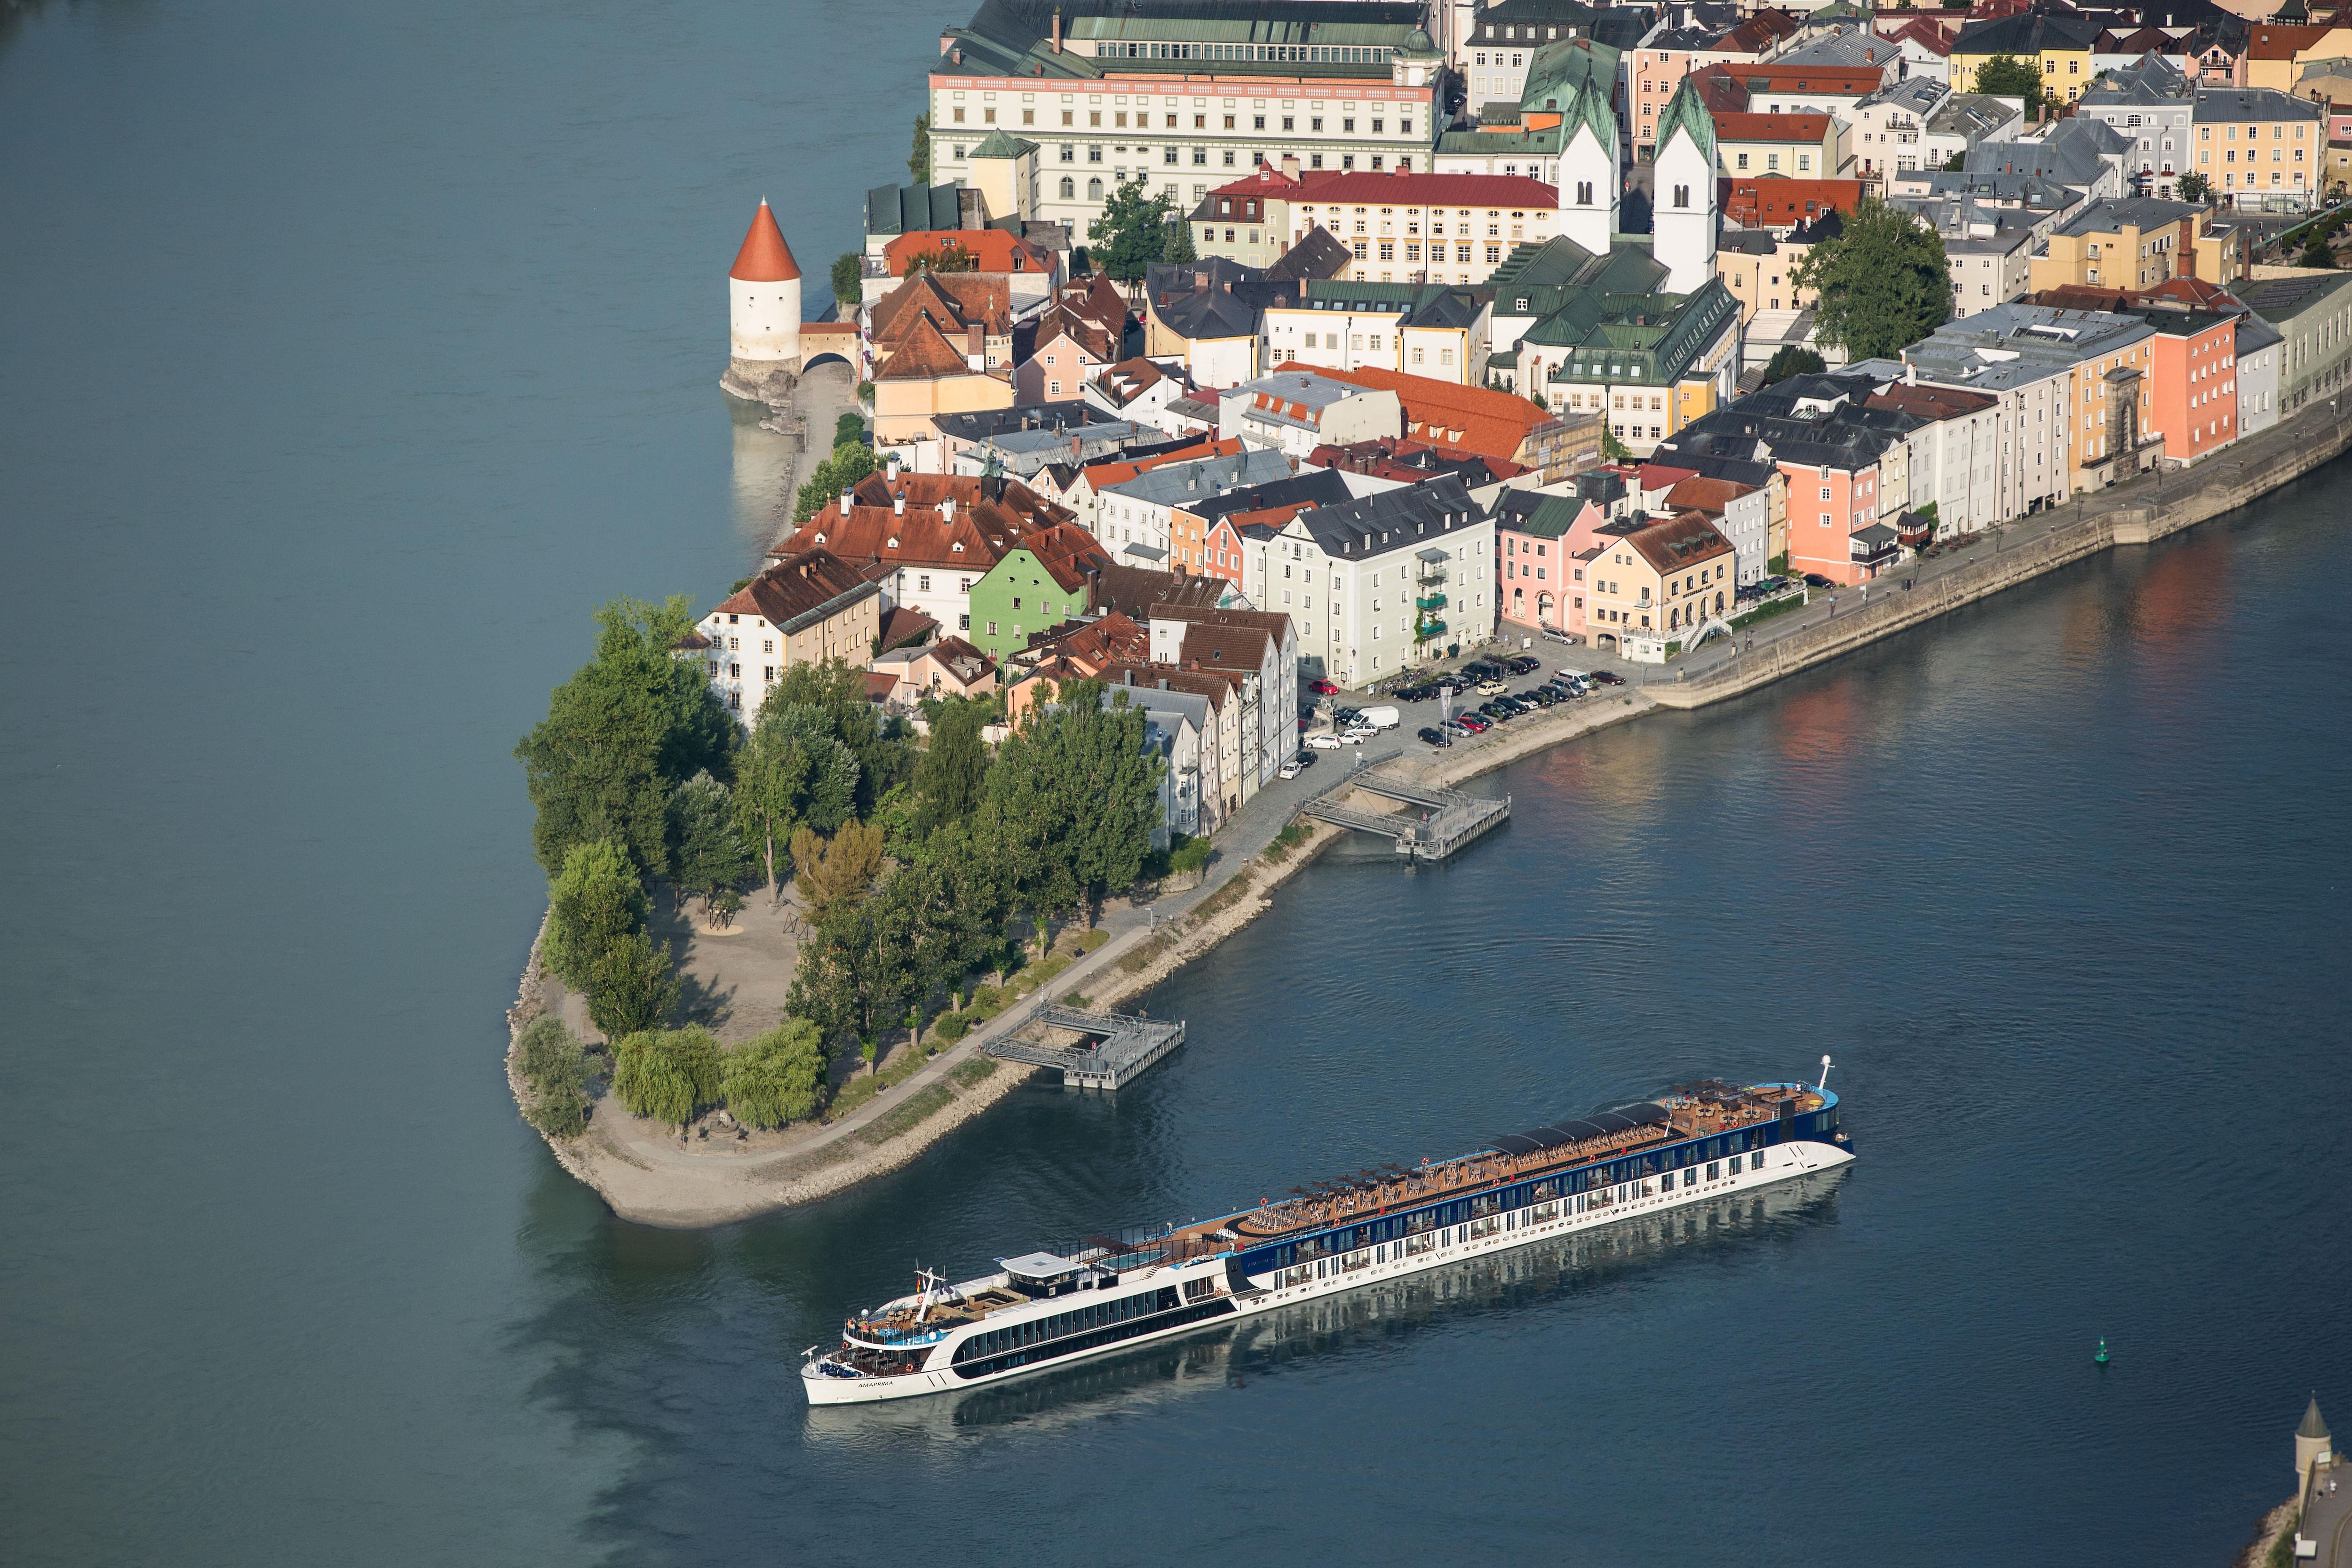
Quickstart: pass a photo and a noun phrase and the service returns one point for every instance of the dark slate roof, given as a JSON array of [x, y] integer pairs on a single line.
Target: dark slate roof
[[1317, 487], [2027, 34], [913, 209], [1213, 296], [1316, 256], [1410, 518]]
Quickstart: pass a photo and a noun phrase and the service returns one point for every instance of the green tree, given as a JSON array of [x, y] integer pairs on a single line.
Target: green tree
[[706, 848], [1612, 448], [593, 904], [775, 1078], [948, 259], [1792, 359], [1133, 231], [2006, 75], [848, 283], [1075, 792], [1883, 284], [952, 772], [793, 772], [884, 749], [548, 1059], [632, 722], [1956, 163], [2316, 251], [918, 161], [854, 980], [962, 913], [632, 986], [2195, 188], [849, 430], [1180, 243], [668, 1075], [849, 462]]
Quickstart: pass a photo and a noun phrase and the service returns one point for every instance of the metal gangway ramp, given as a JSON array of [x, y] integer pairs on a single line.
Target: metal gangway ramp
[[1446, 819], [1113, 1049]]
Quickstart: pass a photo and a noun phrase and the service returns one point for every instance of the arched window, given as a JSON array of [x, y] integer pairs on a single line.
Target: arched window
[[1584, 192], [1681, 195], [1069, 189], [1094, 190]]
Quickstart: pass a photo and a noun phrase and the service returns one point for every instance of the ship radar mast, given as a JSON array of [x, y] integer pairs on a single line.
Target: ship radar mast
[[1825, 1075]]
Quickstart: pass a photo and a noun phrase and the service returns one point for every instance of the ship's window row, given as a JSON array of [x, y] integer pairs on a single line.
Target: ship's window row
[[1037, 1331]]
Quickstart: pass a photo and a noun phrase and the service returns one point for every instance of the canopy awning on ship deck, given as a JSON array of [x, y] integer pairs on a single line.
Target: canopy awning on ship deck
[[1600, 1124]]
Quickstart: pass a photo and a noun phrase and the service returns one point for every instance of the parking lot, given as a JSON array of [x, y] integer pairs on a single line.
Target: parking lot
[[1478, 698]]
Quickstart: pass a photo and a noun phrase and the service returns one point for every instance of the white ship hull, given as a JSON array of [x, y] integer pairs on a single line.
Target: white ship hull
[[1204, 1284]]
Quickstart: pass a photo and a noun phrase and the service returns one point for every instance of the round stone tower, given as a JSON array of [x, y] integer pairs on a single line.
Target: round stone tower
[[763, 313], [2312, 1444]]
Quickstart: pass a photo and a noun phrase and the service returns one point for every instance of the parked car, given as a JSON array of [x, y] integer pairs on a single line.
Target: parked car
[[1815, 580], [1608, 677], [1323, 688], [1541, 696], [1352, 737], [1522, 664], [1553, 634], [1305, 760], [1491, 687], [1474, 724], [1379, 717], [1323, 743], [1455, 727], [1293, 768], [1435, 737]]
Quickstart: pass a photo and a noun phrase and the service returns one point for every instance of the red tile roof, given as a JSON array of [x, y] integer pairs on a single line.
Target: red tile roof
[[1435, 190], [1676, 542], [922, 353], [995, 250], [1761, 203], [1701, 494], [765, 257], [1464, 419], [1771, 127], [803, 582]]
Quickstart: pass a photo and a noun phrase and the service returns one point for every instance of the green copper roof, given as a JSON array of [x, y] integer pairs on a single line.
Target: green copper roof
[[2312, 1427], [1558, 68], [1589, 105], [997, 144], [1686, 110]]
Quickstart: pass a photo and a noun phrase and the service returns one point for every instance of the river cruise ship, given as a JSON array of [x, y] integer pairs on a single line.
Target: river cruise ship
[[1105, 1293]]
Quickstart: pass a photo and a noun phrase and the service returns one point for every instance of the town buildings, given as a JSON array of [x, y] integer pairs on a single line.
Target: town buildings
[[1296, 411], [1375, 582], [1178, 97], [1649, 581], [1134, 516], [2261, 148], [1485, 423], [2138, 243], [1408, 227], [2061, 42], [926, 538], [809, 608], [1801, 146], [1427, 329], [2312, 313], [1045, 578]]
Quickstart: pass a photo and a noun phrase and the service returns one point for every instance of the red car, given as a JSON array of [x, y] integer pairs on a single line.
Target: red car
[[1323, 688], [1474, 723]]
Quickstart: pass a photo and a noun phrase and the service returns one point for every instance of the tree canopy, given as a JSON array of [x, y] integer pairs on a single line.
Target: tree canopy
[[848, 282], [1075, 792], [2006, 75], [1883, 284], [668, 1075], [952, 774], [632, 986], [775, 1078], [706, 848], [850, 462], [635, 721], [2195, 188], [830, 871], [1134, 231], [854, 979], [594, 902], [1792, 359], [793, 772], [918, 161]]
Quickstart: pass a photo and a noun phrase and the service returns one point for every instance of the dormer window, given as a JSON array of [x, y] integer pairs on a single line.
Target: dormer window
[[819, 538], [894, 541]]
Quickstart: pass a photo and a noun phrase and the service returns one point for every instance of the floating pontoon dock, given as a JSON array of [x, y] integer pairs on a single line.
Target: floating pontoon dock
[[1111, 1050]]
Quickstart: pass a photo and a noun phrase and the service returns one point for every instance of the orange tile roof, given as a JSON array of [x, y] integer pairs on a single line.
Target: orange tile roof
[[1771, 127], [1701, 494], [1671, 544], [951, 300], [995, 250], [1101, 475], [1422, 190], [765, 257], [922, 353], [1466, 419], [1067, 553]]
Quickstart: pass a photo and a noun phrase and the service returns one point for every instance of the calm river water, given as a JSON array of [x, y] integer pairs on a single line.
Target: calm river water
[[347, 358]]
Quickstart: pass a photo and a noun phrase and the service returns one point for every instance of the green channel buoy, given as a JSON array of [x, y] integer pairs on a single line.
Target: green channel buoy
[[2101, 1357]]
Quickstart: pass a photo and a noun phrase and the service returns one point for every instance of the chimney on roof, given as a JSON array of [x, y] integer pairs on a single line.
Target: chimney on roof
[[898, 504], [1164, 683], [845, 503], [956, 55], [947, 508], [1291, 165], [1057, 30], [975, 347]]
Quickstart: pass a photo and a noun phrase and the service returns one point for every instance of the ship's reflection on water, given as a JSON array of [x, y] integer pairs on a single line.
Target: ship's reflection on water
[[1369, 1316]]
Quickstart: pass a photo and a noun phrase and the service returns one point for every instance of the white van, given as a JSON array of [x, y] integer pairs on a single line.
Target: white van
[[1379, 718]]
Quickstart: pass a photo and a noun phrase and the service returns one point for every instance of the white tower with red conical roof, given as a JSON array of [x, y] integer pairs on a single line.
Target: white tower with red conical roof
[[763, 300]]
